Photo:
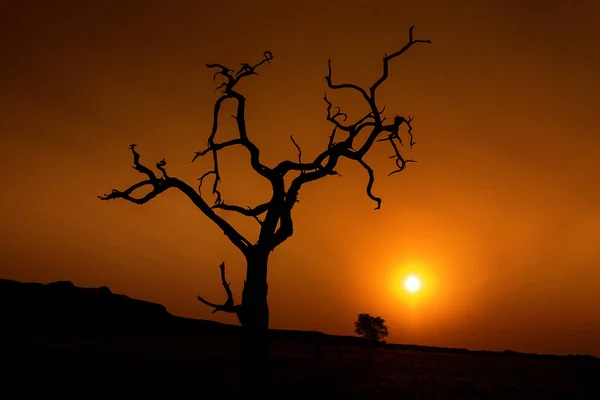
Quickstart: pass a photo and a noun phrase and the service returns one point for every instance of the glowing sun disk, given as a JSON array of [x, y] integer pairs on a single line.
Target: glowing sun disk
[[412, 284]]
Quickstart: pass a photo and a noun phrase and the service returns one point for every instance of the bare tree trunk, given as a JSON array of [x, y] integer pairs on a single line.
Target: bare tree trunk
[[254, 318]]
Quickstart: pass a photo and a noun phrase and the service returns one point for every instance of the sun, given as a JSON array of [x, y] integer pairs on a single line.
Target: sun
[[412, 284]]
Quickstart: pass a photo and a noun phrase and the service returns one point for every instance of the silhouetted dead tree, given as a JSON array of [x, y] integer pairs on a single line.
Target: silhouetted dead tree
[[275, 216]]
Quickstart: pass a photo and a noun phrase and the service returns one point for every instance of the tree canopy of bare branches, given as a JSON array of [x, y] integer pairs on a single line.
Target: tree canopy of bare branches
[[275, 215]]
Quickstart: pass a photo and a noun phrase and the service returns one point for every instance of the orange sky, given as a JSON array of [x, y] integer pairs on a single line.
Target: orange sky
[[500, 215]]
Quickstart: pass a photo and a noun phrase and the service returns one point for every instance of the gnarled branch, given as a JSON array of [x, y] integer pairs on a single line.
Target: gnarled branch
[[229, 305], [159, 185], [166, 182]]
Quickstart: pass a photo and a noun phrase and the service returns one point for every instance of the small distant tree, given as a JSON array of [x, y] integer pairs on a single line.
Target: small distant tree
[[372, 329]]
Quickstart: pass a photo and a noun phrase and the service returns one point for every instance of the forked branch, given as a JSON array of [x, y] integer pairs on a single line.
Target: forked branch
[[232, 78], [229, 305]]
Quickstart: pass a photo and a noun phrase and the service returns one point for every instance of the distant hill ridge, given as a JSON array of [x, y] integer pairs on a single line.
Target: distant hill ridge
[[65, 309], [62, 307]]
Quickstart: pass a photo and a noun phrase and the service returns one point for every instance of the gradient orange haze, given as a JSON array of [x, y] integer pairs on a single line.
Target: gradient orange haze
[[500, 216]]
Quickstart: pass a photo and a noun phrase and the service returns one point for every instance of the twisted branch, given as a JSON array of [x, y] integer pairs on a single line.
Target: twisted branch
[[369, 189]]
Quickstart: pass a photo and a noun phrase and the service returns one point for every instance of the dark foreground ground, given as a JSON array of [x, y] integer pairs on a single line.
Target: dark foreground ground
[[189, 367], [90, 343]]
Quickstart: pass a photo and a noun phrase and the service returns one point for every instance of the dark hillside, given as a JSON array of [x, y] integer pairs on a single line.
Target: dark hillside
[[59, 338]]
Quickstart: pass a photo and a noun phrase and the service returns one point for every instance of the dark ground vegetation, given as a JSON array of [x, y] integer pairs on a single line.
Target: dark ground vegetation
[[58, 338]]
